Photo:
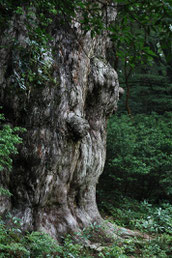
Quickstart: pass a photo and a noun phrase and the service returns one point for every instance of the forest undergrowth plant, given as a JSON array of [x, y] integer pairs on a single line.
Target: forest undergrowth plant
[[154, 222], [15, 243], [144, 216], [139, 156], [9, 139], [88, 232]]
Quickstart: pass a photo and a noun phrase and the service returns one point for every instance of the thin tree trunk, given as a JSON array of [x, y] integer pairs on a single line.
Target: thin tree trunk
[[127, 84]]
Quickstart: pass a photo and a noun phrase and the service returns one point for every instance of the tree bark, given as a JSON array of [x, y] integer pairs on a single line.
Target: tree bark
[[54, 177]]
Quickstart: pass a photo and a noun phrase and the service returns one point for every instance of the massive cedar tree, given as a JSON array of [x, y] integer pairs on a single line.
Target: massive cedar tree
[[62, 92]]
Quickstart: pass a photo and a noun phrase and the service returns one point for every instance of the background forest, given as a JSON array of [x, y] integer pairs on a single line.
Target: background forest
[[135, 189]]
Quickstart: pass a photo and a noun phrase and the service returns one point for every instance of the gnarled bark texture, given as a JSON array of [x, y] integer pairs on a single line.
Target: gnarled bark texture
[[54, 177]]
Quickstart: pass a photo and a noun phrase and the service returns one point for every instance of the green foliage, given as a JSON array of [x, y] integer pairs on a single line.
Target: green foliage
[[33, 59], [144, 216], [40, 244], [139, 150], [137, 40], [153, 220], [127, 212], [9, 139], [33, 67], [142, 55], [113, 251], [90, 232], [14, 243], [157, 247], [9, 241], [154, 90], [139, 155], [71, 249], [136, 21]]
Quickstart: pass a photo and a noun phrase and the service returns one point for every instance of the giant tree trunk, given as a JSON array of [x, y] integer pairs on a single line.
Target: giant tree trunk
[[54, 177]]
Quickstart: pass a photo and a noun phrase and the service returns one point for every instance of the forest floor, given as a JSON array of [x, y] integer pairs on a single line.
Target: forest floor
[[145, 228], [142, 229]]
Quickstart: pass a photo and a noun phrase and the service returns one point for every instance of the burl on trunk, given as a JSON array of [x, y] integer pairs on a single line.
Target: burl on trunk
[[65, 112]]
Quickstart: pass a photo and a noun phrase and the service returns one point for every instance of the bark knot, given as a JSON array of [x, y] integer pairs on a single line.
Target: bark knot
[[78, 126], [103, 73]]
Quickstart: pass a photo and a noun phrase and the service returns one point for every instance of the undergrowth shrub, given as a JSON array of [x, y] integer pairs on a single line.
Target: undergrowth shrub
[[9, 139], [141, 215], [139, 156], [129, 213], [153, 220], [15, 243]]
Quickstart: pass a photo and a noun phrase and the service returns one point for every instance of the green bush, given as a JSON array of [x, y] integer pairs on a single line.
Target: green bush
[[152, 221], [41, 245], [129, 213], [139, 155], [9, 139], [15, 243], [144, 216]]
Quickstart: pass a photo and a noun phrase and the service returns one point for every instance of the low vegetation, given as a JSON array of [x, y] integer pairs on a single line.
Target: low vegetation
[[139, 160], [138, 151], [154, 222]]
